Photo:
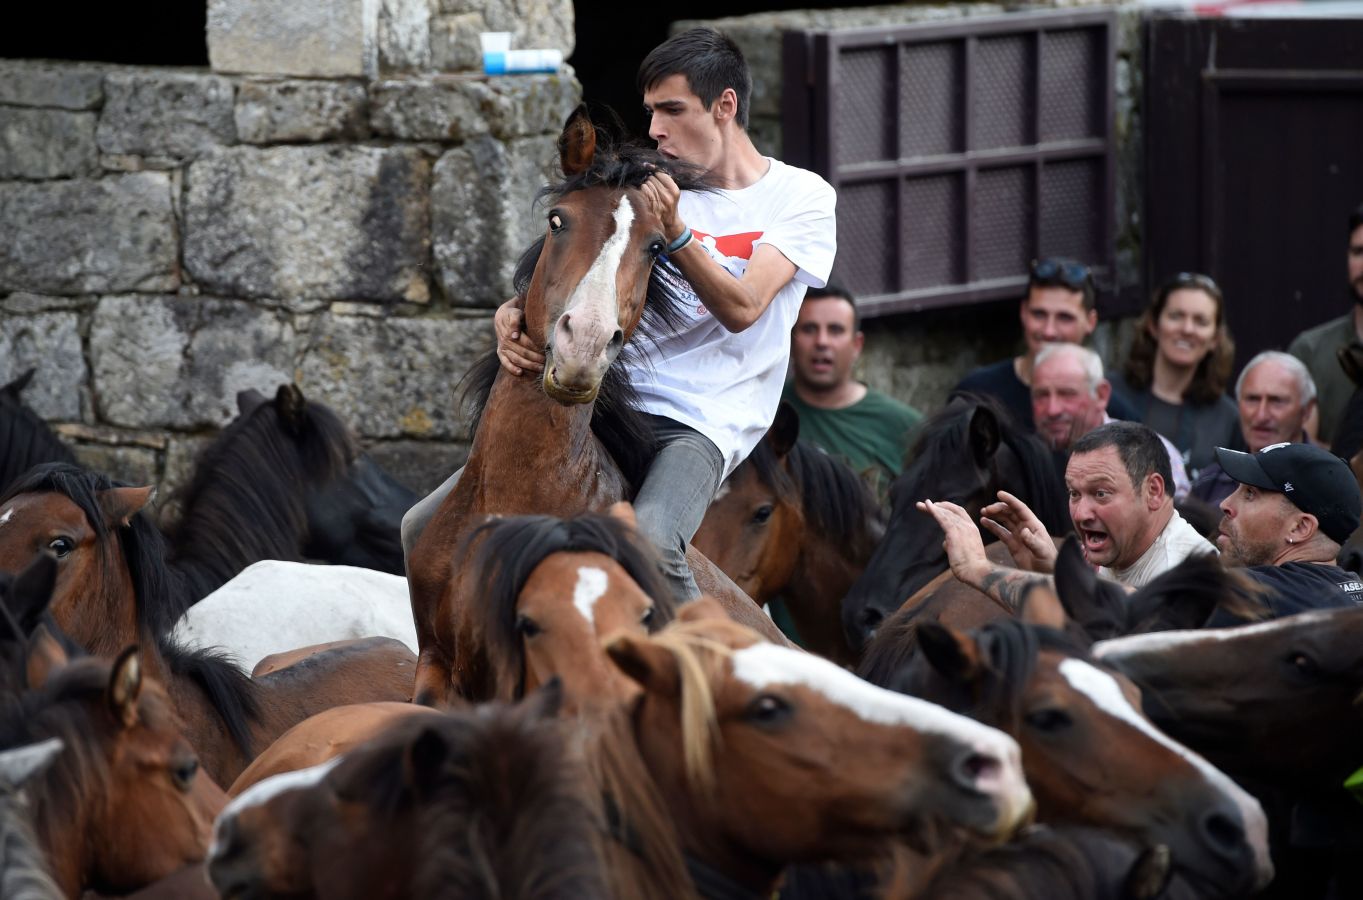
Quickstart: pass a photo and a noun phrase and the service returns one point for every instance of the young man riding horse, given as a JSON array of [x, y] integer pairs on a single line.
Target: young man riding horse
[[748, 249]]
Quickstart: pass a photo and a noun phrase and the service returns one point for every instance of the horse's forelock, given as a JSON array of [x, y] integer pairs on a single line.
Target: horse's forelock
[[834, 498]]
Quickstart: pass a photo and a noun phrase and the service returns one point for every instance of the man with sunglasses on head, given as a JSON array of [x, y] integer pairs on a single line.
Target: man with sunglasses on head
[[1058, 309]]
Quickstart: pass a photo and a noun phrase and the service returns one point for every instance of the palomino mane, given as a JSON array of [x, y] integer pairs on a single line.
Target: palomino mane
[[617, 421], [247, 498], [159, 590], [511, 548], [505, 816], [833, 499], [943, 441], [25, 439]]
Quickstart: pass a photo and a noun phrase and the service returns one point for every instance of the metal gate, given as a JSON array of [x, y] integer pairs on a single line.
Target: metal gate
[[959, 151], [1254, 156]]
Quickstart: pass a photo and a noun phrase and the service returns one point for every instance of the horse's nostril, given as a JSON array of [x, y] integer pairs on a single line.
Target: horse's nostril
[[976, 771], [870, 618], [1223, 831], [617, 339]]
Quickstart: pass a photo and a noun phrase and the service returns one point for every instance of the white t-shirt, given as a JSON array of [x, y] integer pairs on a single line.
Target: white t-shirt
[[727, 385], [1175, 543]]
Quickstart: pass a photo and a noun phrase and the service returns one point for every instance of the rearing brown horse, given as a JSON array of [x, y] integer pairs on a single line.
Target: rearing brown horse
[[536, 449]]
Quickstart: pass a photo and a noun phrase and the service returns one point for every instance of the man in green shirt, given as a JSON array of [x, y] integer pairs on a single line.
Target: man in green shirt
[[837, 413]]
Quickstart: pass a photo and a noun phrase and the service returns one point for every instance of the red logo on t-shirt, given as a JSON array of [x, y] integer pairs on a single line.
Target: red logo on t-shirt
[[739, 245]]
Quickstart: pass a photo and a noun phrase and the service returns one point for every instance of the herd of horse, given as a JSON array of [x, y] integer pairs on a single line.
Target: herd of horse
[[264, 700]]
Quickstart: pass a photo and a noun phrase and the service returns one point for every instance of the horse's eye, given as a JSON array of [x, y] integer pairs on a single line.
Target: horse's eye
[[183, 772], [1303, 663], [768, 710], [1049, 720], [656, 248], [527, 627], [555, 223], [762, 514], [61, 546], [647, 618]]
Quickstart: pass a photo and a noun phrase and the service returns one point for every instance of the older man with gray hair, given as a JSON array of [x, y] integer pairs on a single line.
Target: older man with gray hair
[[1276, 395], [1069, 399]]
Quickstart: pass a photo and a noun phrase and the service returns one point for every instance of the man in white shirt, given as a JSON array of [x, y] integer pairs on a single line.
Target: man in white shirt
[[1117, 480], [747, 251]]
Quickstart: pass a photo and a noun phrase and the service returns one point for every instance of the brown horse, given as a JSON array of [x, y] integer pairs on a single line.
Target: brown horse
[[536, 448], [124, 804], [796, 523], [763, 756], [1090, 756], [114, 588], [476, 804]]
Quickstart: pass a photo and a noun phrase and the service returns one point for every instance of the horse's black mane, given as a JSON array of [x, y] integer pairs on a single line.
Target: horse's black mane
[[246, 501], [159, 588], [617, 421], [834, 499], [505, 815], [943, 441], [509, 549], [25, 439]]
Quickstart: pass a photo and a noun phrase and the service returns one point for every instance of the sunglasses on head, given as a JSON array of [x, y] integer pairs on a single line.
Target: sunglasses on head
[[1072, 275], [1193, 280]]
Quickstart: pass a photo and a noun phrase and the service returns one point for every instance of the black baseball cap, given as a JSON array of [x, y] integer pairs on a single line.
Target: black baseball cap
[[1314, 479]]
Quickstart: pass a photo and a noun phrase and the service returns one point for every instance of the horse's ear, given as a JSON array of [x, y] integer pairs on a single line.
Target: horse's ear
[[984, 434], [1041, 606], [17, 386], [43, 656], [950, 652], [248, 401], [577, 144], [1095, 606], [1149, 875], [784, 430], [702, 608], [119, 505], [22, 763], [624, 511], [423, 760], [651, 665], [546, 702], [292, 408], [125, 686], [31, 592]]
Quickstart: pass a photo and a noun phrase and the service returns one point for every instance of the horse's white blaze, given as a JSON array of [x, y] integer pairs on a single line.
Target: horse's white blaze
[[6, 516], [595, 298], [264, 791], [591, 585], [764, 665], [1106, 694], [1158, 641]]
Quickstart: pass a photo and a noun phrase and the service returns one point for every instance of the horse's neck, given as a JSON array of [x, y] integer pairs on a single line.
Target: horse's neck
[[533, 455]]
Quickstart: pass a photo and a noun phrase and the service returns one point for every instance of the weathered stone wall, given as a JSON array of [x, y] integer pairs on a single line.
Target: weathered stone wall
[[329, 205], [919, 357]]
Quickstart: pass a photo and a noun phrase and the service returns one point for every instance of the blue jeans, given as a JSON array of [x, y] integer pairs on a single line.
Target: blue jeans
[[681, 482]]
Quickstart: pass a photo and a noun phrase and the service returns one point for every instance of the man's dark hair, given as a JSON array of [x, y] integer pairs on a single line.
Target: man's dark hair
[[842, 293], [1355, 219], [1140, 449], [1060, 271], [710, 61]]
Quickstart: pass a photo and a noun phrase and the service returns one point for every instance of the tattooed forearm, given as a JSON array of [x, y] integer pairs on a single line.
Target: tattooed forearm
[[1008, 586]]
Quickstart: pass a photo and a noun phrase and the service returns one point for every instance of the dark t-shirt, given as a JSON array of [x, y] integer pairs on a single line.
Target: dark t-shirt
[[1001, 382], [871, 435], [1299, 587]]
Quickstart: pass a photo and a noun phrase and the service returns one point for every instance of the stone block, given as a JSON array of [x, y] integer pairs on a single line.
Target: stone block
[[59, 85], [481, 215], [89, 236], [394, 378], [46, 143], [175, 115], [131, 465], [49, 342], [454, 42], [308, 38], [458, 108], [404, 35], [169, 362], [421, 466], [534, 24], [344, 223], [275, 112], [182, 455]]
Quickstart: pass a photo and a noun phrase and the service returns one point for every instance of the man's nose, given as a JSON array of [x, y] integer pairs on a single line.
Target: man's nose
[[1049, 330], [655, 128]]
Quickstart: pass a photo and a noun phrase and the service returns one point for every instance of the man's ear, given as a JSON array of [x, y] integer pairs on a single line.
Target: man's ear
[[1156, 492], [1304, 525], [858, 342], [725, 105], [1103, 392], [1092, 317]]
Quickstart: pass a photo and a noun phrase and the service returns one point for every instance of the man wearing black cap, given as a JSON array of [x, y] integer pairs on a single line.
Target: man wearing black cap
[[1294, 506]]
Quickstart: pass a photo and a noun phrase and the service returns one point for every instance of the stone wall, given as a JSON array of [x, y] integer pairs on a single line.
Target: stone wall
[[329, 205], [918, 357]]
